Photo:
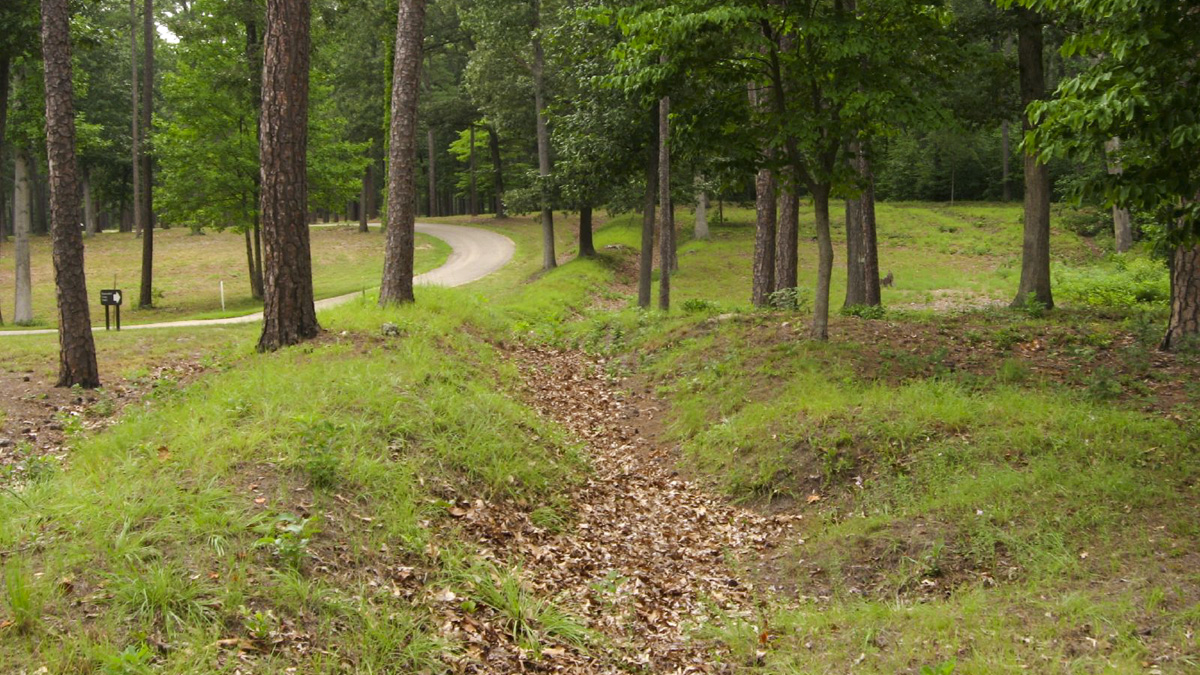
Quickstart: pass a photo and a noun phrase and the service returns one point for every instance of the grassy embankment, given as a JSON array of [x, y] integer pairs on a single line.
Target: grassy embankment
[[188, 270], [963, 499]]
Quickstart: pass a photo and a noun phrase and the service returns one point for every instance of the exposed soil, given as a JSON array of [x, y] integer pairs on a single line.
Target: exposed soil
[[38, 417]]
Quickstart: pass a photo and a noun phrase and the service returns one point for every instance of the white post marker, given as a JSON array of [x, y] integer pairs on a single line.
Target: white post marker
[[222, 295]]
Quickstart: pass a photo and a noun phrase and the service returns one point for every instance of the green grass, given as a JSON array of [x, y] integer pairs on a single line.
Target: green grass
[[973, 517], [188, 271], [156, 521]]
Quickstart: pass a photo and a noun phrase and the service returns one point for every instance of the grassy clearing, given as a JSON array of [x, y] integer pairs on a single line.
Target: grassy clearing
[[286, 506], [994, 491], [188, 270], [978, 494]]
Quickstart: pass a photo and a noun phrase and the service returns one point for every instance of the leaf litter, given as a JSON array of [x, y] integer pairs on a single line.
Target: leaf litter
[[646, 560]]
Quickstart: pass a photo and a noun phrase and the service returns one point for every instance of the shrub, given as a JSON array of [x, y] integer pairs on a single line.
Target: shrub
[[865, 311]]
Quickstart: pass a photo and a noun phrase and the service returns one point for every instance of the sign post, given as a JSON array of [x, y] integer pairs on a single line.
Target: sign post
[[111, 298]]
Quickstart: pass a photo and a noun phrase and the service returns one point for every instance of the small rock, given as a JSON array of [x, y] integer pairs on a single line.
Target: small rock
[[391, 330]]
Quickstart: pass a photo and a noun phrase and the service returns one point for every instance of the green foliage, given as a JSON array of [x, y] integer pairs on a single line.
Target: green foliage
[[865, 311], [699, 306], [22, 595], [288, 538], [1117, 282]]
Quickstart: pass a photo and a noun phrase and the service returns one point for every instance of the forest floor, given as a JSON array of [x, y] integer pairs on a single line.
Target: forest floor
[[535, 477]]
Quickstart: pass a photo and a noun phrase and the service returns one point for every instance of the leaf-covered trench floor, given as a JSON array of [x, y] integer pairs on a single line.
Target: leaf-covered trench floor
[[647, 559]]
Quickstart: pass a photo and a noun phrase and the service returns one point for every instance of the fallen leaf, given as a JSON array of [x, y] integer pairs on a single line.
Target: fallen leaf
[[813, 498]]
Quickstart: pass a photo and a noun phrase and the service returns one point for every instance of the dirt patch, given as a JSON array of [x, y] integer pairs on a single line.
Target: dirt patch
[[39, 419]]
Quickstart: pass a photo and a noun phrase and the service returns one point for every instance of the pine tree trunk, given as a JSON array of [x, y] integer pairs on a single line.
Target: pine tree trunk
[[587, 248], [289, 315], [1035, 250], [363, 218], [397, 284], [646, 253], [862, 253], [700, 230], [764, 238], [22, 223], [787, 234], [666, 220], [146, 298], [497, 169], [474, 192], [549, 260], [820, 327], [1183, 328], [135, 119], [77, 351]]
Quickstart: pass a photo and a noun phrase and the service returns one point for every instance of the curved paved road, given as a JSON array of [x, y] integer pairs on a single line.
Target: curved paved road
[[475, 253]]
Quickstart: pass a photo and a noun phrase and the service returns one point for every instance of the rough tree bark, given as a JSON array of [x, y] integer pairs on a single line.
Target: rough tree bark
[[787, 233], [700, 230], [862, 253], [764, 237], [146, 297], [587, 247], [543, 142], [77, 351], [1184, 324], [289, 315], [1035, 250], [820, 326], [646, 254], [397, 284], [1122, 221], [497, 169], [666, 220], [22, 223]]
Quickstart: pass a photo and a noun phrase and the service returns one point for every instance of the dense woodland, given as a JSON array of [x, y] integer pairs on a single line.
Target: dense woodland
[[512, 107]]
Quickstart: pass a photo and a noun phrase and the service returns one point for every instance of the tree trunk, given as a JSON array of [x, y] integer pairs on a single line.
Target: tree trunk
[[862, 253], [1184, 325], [254, 291], [89, 207], [135, 119], [764, 238], [497, 169], [474, 202], [77, 351], [1005, 185], [646, 254], [1035, 250], [397, 284], [700, 231], [432, 168], [289, 315], [1122, 222], [820, 326], [787, 234], [543, 147], [22, 223], [666, 220], [587, 248], [146, 298], [363, 217]]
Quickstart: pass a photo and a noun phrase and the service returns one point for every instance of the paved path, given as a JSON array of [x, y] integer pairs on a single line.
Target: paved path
[[475, 253]]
